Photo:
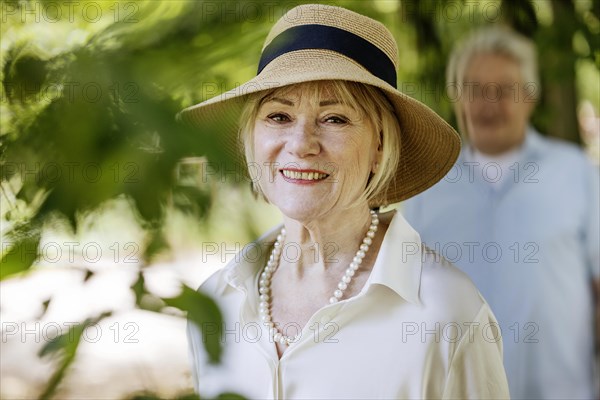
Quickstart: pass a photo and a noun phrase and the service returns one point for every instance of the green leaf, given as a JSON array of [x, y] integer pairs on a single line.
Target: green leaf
[[145, 396], [45, 306], [230, 396], [88, 275], [192, 200], [156, 245], [203, 311], [24, 76], [19, 257], [66, 345], [139, 288]]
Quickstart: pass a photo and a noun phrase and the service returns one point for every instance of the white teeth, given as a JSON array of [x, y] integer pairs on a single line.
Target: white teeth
[[305, 176]]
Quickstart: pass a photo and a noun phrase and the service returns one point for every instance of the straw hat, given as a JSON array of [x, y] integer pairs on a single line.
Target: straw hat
[[319, 42]]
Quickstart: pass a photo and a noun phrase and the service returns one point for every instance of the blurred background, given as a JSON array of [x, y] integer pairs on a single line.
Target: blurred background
[[112, 213]]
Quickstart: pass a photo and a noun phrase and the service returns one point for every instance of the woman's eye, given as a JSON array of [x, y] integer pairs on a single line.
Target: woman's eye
[[279, 117], [334, 119]]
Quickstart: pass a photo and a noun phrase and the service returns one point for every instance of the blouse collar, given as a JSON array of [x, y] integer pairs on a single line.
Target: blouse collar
[[397, 266]]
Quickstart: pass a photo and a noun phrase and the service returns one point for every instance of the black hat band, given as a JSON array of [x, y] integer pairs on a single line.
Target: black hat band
[[313, 36]]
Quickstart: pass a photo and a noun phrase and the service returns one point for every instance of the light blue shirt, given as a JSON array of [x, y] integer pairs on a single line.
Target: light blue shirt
[[531, 246]]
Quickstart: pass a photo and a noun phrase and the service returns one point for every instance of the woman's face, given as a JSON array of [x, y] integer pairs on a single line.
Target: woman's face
[[313, 156]]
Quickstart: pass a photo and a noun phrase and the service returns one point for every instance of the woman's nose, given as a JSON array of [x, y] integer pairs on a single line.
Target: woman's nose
[[302, 139]]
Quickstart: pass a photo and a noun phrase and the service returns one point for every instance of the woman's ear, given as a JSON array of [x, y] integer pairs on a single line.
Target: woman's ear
[[378, 154], [374, 167]]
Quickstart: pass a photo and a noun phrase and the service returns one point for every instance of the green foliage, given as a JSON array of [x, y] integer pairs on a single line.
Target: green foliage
[[95, 122]]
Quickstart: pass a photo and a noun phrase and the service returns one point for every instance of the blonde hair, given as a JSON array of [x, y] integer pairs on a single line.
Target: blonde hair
[[370, 101], [492, 40]]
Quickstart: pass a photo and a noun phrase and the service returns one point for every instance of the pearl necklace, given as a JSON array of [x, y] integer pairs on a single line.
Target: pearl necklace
[[265, 279]]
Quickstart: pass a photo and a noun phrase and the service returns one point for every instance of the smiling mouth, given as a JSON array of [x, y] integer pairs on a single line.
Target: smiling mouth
[[303, 175]]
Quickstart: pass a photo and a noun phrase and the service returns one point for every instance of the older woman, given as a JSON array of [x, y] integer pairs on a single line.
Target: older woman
[[345, 302]]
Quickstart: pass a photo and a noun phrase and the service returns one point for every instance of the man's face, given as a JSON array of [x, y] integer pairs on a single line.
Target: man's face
[[495, 105]]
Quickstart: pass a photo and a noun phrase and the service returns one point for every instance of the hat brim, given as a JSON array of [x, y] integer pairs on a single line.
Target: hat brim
[[429, 145]]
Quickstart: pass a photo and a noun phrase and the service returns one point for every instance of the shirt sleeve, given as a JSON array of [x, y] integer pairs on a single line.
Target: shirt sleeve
[[410, 210], [194, 340], [592, 234], [477, 369]]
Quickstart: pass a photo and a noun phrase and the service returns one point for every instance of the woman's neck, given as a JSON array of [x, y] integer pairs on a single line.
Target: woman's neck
[[323, 245]]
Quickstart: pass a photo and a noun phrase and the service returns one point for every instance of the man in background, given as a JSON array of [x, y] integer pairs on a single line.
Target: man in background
[[519, 213]]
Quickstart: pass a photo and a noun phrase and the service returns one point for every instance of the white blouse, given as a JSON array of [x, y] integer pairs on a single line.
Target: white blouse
[[418, 329]]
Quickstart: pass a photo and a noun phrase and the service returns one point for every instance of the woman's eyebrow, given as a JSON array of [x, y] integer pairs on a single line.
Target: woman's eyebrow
[[291, 103], [282, 101]]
